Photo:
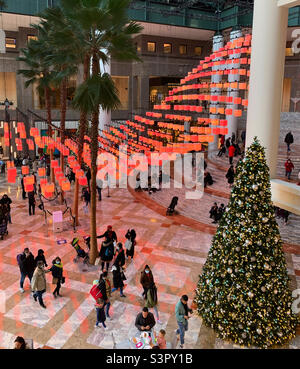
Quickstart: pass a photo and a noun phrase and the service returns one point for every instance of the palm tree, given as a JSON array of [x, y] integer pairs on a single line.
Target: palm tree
[[38, 73], [104, 30]]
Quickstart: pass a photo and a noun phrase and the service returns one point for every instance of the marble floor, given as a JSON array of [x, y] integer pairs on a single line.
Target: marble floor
[[175, 252]]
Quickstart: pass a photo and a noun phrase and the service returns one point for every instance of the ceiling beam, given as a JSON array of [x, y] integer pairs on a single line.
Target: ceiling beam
[[288, 3]]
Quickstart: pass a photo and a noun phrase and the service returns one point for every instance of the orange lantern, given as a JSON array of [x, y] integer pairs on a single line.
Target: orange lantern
[[82, 181], [65, 185], [25, 169], [42, 172], [43, 181], [238, 113], [11, 174], [54, 163]]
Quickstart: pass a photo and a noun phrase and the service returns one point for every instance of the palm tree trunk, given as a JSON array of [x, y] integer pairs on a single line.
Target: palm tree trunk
[[63, 110], [94, 153], [82, 129], [49, 121]]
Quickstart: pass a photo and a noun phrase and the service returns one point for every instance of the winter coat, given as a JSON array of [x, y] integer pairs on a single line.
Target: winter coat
[[146, 279], [40, 258], [120, 257], [31, 198], [102, 288], [180, 312], [27, 265], [231, 151], [140, 321], [6, 201], [111, 235], [289, 138], [151, 299], [38, 281], [289, 166], [117, 276], [230, 175], [107, 246], [57, 270]]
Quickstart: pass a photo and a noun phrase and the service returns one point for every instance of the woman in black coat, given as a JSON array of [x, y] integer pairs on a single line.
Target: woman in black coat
[[118, 277], [40, 257], [106, 253], [230, 175], [121, 255], [57, 274]]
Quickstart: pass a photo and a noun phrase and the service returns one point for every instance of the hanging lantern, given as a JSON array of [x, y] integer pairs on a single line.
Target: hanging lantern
[[25, 169], [42, 172], [82, 181], [28, 187], [54, 163], [11, 175], [65, 185], [29, 180]]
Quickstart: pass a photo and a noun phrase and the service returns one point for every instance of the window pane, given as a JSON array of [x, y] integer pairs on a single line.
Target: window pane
[[198, 50], [31, 37], [167, 48], [122, 83], [151, 46], [10, 43], [182, 49]]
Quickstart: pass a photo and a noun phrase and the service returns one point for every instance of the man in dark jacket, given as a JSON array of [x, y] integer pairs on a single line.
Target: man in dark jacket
[[145, 321], [6, 201], [27, 265], [289, 139], [23, 187], [109, 234], [31, 202]]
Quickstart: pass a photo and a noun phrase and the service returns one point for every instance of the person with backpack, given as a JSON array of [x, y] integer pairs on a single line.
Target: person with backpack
[[151, 301], [289, 139], [118, 278], [57, 274], [104, 286], [146, 280], [27, 265], [40, 256], [38, 283], [106, 253]]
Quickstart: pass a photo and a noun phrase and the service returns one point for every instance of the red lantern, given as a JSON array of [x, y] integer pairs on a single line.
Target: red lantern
[[25, 169], [42, 172], [43, 181], [11, 175], [82, 181], [65, 185], [28, 187]]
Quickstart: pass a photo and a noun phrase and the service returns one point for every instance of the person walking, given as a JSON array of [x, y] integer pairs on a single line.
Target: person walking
[[120, 254], [231, 153], [289, 139], [40, 256], [146, 280], [214, 212], [23, 187], [88, 176], [182, 315], [38, 283], [106, 253], [87, 198], [6, 201], [130, 243], [152, 301], [99, 190], [118, 278], [227, 144], [230, 175], [27, 265], [105, 289], [99, 306], [289, 166], [57, 274], [31, 202]]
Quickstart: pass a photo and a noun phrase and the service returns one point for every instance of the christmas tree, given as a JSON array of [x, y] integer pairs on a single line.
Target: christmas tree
[[243, 292]]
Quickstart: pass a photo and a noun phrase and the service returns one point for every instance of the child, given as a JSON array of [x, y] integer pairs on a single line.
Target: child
[[100, 313], [161, 342]]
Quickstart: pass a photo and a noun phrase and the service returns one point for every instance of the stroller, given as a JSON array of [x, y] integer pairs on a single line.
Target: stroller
[[171, 207], [80, 252], [3, 228]]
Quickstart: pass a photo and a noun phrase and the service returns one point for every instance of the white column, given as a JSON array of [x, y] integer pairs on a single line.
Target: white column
[[233, 92], [218, 42], [266, 77], [104, 116]]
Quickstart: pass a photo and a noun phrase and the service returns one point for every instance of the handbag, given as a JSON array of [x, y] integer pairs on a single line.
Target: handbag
[[63, 279], [54, 280], [123, 276]]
